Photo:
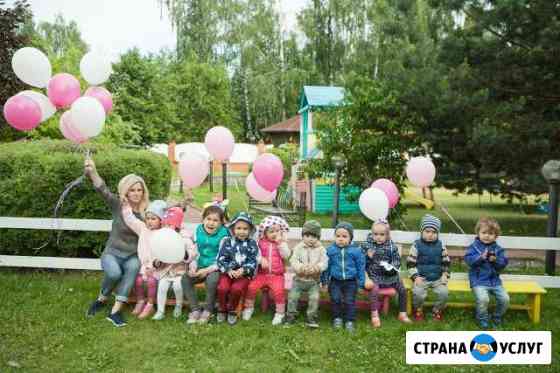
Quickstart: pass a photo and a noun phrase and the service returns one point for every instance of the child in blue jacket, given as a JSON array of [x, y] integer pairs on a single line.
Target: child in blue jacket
[[486, 259], [345, 273]]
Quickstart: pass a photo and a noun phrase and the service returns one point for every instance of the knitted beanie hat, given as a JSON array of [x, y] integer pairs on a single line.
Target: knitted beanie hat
[[347, 226], [312, 227], [157, 208], [174, 217], [430, 221], [242, 216]]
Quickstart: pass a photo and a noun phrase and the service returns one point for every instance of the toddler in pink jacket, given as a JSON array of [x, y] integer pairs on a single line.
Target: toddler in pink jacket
[[273, 249]]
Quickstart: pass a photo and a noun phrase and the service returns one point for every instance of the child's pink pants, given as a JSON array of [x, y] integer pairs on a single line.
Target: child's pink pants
[[151, 284]]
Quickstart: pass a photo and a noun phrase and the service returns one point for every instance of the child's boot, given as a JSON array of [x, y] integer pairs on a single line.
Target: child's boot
[[375, 321], [139, 307], [418, 315], [147, 311], [403, 317], [437, 315], [247, 313]]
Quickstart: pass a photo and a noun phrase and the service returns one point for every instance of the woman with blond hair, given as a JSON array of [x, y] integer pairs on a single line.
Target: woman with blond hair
[[119, 260]]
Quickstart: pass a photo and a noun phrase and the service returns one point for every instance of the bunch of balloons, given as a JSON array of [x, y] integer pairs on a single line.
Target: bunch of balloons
[[264, 180], [194, 167], [383, 194], [86, 117]]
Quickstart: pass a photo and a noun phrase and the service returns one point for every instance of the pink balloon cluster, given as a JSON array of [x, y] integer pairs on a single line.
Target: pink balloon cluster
[[267, 175], [26, 110], [376, 200]]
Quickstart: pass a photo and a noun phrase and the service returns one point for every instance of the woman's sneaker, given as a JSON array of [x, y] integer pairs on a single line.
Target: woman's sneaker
[[193, 317], [117, 319], [95, 307], [337, 323], [311, 322]]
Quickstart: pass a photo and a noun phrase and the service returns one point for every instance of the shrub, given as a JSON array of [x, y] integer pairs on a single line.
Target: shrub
[[33, 174]]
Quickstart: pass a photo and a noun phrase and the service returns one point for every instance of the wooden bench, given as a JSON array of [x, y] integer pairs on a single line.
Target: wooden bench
[[532, 289]]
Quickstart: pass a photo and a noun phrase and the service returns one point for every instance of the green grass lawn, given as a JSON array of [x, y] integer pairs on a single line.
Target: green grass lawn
[[43, 329], [464, 208]]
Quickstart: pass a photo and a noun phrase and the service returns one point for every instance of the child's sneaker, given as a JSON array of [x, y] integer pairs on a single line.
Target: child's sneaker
[[349, 326], [247, 314], [194, 316], [403, 317], [437, 315], [147, 311], [158, 316], [483, 324], [375, 320], [418, 315], [138, 308], [290, 319], [221, 317], [205, 317], [232, 318], [117, 319], [497, 322], [337, 323], [278, 318], [311, 322], [177, 311], [95, 307]]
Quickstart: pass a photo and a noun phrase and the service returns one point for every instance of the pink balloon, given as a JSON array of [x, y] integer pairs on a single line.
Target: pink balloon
[[390, 190], [421, 171], [256, 191], [22, 113], [219, 142], [63, 90], [193, 170], [268, 171], [103, 95], [69, 130]]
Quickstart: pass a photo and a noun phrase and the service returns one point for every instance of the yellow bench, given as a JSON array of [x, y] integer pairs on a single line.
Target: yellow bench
[[531, 288]]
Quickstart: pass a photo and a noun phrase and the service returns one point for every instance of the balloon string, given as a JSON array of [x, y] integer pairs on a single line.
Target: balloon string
[[444, 209]]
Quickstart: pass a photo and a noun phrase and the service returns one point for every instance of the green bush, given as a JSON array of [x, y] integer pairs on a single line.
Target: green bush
[[33, 174]]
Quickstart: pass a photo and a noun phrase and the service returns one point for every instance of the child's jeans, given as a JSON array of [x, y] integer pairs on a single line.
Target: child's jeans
[[211, 284], [398, 286], [482, 298], [230, 292], [343, 295], [301, 286], [276, 285], [163, 287], [151, 284], [420, 292]]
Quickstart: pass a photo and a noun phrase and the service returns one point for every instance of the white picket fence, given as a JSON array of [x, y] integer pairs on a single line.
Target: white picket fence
[[400, 237]]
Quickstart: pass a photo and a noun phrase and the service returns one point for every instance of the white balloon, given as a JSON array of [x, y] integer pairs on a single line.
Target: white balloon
[[374, 204], [167, 245], [95, 68], [47, 108], [32, 66], [88, 116]]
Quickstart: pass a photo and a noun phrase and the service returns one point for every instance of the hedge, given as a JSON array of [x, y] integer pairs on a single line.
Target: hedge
[[33, 174]]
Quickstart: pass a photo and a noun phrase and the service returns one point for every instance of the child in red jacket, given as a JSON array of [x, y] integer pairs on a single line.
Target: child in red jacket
[[273, 248]]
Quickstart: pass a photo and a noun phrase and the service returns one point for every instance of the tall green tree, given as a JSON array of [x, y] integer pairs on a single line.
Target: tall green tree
[[14, 36]]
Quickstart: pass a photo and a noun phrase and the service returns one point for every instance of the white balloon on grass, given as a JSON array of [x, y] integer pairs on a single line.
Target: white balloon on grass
[[88, 116], [374, 204], [47, 108], [167, 246], [95, 68], [32, 66]]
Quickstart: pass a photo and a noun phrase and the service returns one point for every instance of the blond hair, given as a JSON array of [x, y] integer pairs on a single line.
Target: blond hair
[[488, 223], [127, 182]]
